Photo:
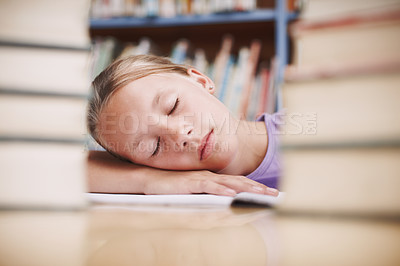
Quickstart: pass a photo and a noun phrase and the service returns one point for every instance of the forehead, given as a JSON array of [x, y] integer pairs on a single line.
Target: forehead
[[147, 87], [133, 99], [138, 92], [143, 86]]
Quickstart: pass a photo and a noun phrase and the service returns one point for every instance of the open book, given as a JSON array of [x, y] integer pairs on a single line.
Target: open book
[[201, 200]]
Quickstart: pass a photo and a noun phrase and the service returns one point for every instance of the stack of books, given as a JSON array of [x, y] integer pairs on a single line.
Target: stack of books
[[341, 139], [44, 86]]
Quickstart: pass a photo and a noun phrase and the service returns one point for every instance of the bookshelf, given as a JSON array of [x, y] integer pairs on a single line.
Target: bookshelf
[[258, 15], [279, 15]]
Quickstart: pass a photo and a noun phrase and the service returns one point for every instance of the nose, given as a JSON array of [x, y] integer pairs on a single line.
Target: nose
[[177, 132]]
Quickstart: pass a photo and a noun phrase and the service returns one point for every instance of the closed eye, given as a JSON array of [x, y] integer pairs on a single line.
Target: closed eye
[[174, 107], [157, 149]]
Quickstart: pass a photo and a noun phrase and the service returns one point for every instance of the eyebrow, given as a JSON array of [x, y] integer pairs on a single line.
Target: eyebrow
[[156, 100], [157, 97], [136, 142]]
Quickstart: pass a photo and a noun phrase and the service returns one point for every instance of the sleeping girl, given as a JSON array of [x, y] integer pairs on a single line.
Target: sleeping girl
[[168, 134]]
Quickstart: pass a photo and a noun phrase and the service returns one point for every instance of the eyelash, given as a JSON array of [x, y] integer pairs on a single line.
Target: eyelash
[[158, 139], [174, 107], [157, 148]]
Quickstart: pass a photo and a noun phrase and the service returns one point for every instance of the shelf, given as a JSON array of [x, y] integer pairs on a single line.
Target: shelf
[[260, 15]]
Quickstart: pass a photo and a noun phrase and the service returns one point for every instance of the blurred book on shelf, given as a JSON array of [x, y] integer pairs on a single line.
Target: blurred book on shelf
[[249, 78], [341, 133], [173, 8], [222, 66], [179, 53], [104, 51], [44, 86], [167, 8], [237, 76]]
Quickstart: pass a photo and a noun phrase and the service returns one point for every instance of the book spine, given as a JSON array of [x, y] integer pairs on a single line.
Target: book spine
[[251, 67]]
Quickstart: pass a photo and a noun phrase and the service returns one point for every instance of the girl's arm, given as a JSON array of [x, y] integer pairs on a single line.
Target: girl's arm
[[107, 174]]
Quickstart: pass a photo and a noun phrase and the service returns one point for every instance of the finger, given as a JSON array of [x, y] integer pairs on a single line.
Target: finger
[[210, 187], [261, 187], [272, 191], [243, 184]]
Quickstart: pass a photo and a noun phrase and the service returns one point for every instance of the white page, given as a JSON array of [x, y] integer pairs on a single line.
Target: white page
[[184, 199]]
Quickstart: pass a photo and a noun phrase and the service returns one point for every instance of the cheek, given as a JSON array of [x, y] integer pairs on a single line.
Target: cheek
[[175, 161]]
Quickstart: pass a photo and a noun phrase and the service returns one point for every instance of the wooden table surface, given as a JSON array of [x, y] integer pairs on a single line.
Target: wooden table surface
[[138, 235]]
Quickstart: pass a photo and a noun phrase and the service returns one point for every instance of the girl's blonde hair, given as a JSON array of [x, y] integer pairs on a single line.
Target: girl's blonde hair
[[119, 74]]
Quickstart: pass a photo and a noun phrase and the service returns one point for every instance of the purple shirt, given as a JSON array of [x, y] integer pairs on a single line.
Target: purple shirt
[[269, 170]]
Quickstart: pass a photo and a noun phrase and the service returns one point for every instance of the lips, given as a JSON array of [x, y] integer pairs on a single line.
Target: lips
[[206, 146]]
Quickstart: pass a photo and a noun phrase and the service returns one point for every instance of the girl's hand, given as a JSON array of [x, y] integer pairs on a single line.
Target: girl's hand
[[107, 174], [188, 182]]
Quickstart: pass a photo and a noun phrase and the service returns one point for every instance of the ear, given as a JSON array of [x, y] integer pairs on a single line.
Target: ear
[[204, 81]]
